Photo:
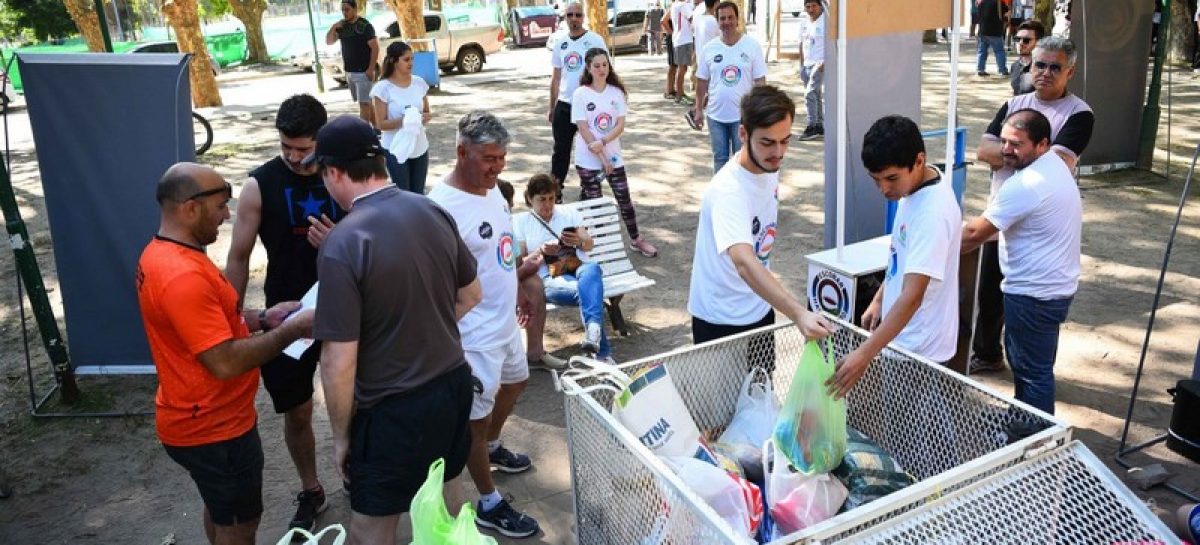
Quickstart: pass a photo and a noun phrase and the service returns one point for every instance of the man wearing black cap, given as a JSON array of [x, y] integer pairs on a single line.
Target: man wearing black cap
[[395, 279]]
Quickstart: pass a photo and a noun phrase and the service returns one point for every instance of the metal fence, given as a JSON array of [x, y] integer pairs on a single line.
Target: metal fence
[[945, 429]]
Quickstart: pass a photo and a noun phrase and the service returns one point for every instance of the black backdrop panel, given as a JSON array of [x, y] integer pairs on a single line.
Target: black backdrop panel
[[106, 126]]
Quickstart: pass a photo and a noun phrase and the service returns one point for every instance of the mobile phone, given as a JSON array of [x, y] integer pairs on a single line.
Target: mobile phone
[[571, 229]]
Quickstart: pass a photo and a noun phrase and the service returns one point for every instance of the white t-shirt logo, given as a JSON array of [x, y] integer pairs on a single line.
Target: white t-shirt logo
[[572, 61], [765, 243], [485, 230], [506, 253], [731, 75], [604, 122]]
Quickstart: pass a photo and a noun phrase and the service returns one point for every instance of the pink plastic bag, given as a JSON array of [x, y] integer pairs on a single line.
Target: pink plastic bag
[[797, 501]]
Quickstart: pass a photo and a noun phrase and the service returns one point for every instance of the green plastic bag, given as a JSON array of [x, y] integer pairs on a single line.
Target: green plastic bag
[[432, 523], [811, 428]]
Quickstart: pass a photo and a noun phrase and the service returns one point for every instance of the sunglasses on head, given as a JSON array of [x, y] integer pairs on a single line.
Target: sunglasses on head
[[1024, 39], [226, 189], [1053, 67]]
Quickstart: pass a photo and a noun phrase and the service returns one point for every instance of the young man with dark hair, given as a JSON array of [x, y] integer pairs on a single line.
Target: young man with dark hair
[[1038, 214], [285, 204], [206, 359], [917, 305], [732, 288], [1026, 35], [397, 386], [360, 52]]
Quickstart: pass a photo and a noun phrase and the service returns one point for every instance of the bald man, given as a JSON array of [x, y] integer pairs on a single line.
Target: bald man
[[206, 358]]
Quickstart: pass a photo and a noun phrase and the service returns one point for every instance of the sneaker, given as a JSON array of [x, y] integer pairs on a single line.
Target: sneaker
[[691, 120], [506, 520], [982, 74], [811, 132], [645, 248], [980, 365], [309, 504], [591, 338], [507, 461], [685, 100], [548, 361]]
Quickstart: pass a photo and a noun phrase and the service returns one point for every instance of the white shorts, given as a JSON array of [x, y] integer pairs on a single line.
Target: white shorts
[[504, 364]]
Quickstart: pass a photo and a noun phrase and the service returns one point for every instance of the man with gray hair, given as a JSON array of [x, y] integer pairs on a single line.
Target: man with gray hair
[[491, 335], [1071, 121]]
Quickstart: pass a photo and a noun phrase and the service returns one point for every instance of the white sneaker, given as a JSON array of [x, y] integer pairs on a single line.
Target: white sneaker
[[591, 338], [548, 361]]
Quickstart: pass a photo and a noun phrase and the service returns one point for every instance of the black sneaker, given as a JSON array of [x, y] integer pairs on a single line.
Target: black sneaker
[[506, 520], [982, 74], [507, 461], [691, 121], [981, 365], [811, 132], [309, 504]]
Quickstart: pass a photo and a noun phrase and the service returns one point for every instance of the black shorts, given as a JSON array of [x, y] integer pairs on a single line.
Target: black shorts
[[228, 475], [393, 443], [670, 50], [760, 351], [290, 382]]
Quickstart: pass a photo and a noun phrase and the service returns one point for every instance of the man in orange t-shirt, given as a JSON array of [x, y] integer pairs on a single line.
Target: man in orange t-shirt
[[207, 362]]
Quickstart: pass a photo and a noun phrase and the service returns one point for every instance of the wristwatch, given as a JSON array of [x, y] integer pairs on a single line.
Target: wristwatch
[[262, 321]]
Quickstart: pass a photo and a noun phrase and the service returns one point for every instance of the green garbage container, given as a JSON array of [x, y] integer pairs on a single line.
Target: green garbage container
[[228, 48]]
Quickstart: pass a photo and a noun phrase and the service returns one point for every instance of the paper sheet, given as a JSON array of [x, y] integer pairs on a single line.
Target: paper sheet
[[297, 348]]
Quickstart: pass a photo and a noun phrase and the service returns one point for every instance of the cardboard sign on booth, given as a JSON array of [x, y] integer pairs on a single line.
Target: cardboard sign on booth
[[878, 17]]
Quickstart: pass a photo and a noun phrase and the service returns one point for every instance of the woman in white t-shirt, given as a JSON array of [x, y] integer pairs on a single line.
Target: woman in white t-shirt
[[548, 233], [400, 99], [598, 108]]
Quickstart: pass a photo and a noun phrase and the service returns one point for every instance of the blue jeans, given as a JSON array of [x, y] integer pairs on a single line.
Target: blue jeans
[[814, 85], [409, 175], [724, 140], [1031, 340], [981, 54], [584, 289]]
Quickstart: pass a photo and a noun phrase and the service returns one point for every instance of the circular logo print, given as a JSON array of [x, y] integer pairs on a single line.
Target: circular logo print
[[755, 225], [485, 230], [506, 253], [573, 61], [591, 106], [830, 295], [562, 45], [764, 244], [718, 57], [731, 75], [604, 122]]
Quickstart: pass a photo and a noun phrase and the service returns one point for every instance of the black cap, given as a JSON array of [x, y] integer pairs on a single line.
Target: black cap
[[344, 139]]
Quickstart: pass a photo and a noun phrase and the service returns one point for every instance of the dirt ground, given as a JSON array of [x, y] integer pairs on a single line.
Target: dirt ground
[[107, 480]]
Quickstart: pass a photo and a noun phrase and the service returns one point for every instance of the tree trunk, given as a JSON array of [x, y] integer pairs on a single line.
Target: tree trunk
[[1043, 10], [597, 17], [83, 12], [411, 16], [250, 13], [1182, 35], [183, 17]]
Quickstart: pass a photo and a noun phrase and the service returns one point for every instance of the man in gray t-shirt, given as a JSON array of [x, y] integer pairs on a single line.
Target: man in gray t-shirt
[[395, 277]]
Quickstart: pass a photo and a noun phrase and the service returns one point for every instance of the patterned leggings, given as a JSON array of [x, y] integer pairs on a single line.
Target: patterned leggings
[[620, 188]]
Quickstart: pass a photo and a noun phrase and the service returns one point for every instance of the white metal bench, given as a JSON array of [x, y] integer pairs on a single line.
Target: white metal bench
[[603, 222]]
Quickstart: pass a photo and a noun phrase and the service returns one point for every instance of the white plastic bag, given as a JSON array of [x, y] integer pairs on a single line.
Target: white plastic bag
[[650, 407], [754, 419], [795, 500], [406, 136], [717, 488], [337, 530]]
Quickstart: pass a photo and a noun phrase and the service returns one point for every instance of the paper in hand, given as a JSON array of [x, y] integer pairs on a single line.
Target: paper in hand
[[297, 348]]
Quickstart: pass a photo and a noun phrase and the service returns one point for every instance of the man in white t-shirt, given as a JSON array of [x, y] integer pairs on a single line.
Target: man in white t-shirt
[[1038, 213], [491, 335], [566, 56], [704, 25], [682, 40], [728, 68], [732, 288], [917, 306], [812, 67]]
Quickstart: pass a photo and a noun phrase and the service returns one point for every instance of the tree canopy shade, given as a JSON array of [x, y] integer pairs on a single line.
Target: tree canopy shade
[[45, 18]]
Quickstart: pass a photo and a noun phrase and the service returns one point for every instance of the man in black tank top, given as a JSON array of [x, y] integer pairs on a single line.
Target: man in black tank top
[[286, 205]]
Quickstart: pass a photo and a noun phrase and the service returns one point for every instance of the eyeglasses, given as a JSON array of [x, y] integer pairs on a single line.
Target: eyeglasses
[[1024, 39], [580, 15], [1053, 67], [227, 189]]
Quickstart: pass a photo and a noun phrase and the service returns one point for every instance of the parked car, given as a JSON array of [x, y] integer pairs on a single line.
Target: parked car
[[794, 7], [532, 25], [172, 47], [465, 48]]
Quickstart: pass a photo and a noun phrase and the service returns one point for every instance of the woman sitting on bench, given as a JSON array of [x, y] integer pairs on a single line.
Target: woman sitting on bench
[[556, 240]]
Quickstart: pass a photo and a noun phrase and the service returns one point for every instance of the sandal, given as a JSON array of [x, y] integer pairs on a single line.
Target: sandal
[[670, 96], [643, 247]]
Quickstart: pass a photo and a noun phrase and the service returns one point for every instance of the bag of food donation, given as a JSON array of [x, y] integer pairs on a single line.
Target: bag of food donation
[[810, 431]]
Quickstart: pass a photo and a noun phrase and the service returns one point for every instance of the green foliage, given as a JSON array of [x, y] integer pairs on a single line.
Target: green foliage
[[213, 8], [43, 18]]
